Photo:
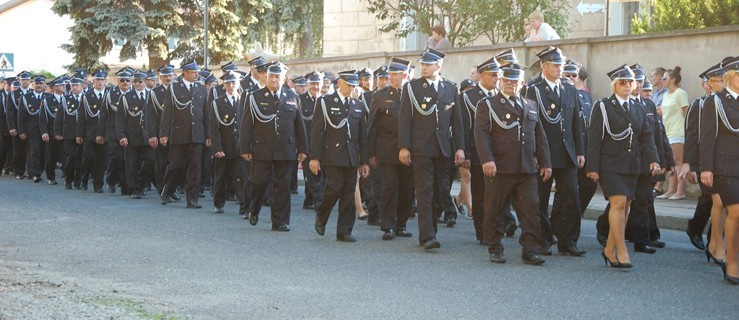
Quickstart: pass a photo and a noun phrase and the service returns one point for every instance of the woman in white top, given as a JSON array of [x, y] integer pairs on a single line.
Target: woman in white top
[[674, 107], [540, 30]]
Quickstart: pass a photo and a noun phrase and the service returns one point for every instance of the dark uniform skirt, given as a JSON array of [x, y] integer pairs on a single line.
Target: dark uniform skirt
[[728, 189], [615, 184]]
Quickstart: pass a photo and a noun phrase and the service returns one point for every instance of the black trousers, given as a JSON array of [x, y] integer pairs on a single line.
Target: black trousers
[[161, 160], [637, 225], [565, 219], [6, 152], [139, 167], [116, 166], [35, 156], [72, 172], [368, 188], [93, 163], [442, 203], [431, 178], [207, 168], [20, 153], [262, 172], [179, 154], [522, 190], [477, 186], [314, 184], [397, 195], [340, 186], [702, 214], [294, 176], [53, 156], [586, 188], [225, 173], [246, 178]]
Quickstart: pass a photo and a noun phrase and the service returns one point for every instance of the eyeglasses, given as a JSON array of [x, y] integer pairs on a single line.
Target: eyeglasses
[[624, 82], [664, 79], [570, 75], [124, 80], [138, 81]]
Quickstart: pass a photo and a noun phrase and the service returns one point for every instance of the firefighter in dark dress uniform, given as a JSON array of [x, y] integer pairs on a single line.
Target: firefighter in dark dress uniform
[[90, 134], [224, 129], [52, 105], [29, 120], [65, 128], [107, 126], [513, 148], [133, 137], [314, 184], [339, 146], [153, 113], [14, 101]]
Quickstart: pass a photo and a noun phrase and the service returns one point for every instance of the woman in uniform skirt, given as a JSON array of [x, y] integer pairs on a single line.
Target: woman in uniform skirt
[[718, 157], [618, 135]]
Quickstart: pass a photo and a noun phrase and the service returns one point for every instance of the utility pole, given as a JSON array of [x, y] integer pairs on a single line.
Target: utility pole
[[205, 33]]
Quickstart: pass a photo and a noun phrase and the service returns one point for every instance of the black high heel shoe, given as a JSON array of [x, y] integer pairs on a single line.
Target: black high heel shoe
[[709, 256], [607, 261], [729, 279]]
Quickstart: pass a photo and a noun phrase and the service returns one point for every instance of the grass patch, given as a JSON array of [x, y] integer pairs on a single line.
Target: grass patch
[[134, 308]]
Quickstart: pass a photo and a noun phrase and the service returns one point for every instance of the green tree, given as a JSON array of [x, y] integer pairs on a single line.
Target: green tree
[[293, 28], [498, 20], [664, 15]]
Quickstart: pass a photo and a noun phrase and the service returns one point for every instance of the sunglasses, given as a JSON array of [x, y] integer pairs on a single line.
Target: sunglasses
[[665, 79], [138, 81], [124, 80], [624, 82], [570, 75]]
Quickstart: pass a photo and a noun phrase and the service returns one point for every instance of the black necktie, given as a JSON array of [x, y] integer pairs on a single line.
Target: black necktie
[[100, 96], [514, 101], [556, 90], [626, 107]]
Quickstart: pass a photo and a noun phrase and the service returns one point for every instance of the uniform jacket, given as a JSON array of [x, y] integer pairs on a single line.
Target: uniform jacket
[[106, 123], [515, 150], [49, 111], [308, 107], [280, 138], [89, 115], [565, 137], [29, 114], [224, 127], [345, 146], [692, 133], [382, 131], [130, 120], [664, 150], [154, 109], [189, 125], [438, 134], [619, 156], [467, 101], [13, 102], [718, 145], [3, 110], [65, 124]]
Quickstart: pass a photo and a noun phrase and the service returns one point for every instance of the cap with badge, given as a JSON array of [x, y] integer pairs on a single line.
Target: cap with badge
[[381, 72], [39, 79], [230, 77], [10, 80], [432, 56], [730, 63], [257, 61], [100, 74], [58, 81], [139, 75], [571, 67], [80, 73], [124, 73], [76, 80], [277, 68], [151, 75], [230, 66], [262, 66], [491, 65], [551, 55], [240, 74], [299, 81], [328, 75], [350, 76], [506, 57], [166, 70], [398, 65], [365, 73], [512, 71], [621, 73], [314, 77], [638, 72], [189, 65], [24, 75], [713, 71], [466, 84], [647, 86]]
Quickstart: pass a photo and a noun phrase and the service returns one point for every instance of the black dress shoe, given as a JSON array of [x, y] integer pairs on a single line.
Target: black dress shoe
[[52, 182], [175, 196], [656, 244], [497, 257], [571, 251], [602, 239], [389, 235], [142, 193], [68, 186], [281, 228], [510, 229], [294, 191], [135, 195], [19, 177], [373, 222], [218, 210], [80, 188], [696, 240], [532, 258], [309, 207], [431, 244], [346, 238], [163, 198], [644, 248], [403, 233], [451, 221], [546, 250], [253, 219], [193, 205], [98, 190], [36, 179], [231, 198], [320, 227]]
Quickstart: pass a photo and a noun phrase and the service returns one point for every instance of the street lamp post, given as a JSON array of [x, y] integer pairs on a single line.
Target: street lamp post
[[205, 34]]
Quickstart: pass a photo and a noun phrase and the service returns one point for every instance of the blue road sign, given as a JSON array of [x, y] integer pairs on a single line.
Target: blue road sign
[[6, 62]]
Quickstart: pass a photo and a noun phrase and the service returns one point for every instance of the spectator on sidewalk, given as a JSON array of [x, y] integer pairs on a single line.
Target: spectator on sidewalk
[[438, 40], [540, 30]]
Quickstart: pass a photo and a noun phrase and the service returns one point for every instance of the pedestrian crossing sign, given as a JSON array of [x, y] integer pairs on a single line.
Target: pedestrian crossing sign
[[6, 61]]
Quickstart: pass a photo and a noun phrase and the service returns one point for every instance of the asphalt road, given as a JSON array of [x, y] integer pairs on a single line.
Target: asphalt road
[[211, 266]]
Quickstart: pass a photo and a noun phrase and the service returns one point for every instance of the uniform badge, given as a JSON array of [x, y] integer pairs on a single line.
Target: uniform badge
[[336, 99], [507, 115], [55, 109], [423, 106], [266, 94], [549, 112], [425, 85], [94, 106], [226, 116], [502, 100], [427, 99], [553, 106], [135, 108]]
